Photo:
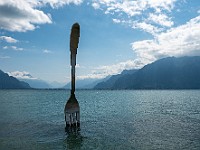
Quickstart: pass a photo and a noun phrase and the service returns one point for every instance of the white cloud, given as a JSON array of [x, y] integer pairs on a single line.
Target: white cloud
[[103, 71], [152, 16], [95, 5], [116, 21], [46, 51], [116, 68], [17, 48], [131, 8], [135, 7], [162, 4], [5, 47], [161, 19], [20, 16], [13, 48], [8, 39], [23, 15], [91, 76], [79, 66], [21, 75], [147, 27], [60, 3], [5, 57], [180, 41]]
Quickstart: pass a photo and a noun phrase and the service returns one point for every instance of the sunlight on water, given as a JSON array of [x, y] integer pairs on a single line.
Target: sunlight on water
[[157, 119]]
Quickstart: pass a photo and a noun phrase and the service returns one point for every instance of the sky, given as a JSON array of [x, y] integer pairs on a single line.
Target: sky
[[114, 35]]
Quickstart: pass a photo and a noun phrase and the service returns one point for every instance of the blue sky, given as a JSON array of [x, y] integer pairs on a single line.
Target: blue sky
[[115, 35]]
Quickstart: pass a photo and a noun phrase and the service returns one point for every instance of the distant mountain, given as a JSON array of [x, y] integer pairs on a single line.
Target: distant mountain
[[86, 83], [55, 84], [36, 83], [167, 73], [108, 84], [81, 84], [94, 83], [9, 82]]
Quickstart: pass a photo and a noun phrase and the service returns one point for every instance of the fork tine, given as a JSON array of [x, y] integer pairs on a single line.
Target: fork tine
[[72, 119], [72, 112]]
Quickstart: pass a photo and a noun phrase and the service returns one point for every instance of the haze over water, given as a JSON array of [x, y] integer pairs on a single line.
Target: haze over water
[[131, 119]]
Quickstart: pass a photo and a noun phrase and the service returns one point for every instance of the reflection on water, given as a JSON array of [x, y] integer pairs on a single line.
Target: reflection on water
[[74, 140]]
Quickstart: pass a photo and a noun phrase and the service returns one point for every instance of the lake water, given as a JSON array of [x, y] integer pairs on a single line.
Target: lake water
[[132, 119]]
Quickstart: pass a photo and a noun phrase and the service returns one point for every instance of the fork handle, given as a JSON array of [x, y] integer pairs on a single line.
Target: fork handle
[[74, 40], [73, 64]]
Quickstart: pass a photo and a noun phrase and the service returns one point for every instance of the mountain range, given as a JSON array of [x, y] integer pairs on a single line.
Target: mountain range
[[9, 82], [36, 83], [88, 83], [166, 73]]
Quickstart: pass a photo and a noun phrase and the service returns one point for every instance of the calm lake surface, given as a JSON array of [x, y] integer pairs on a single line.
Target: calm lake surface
[[138, 119]]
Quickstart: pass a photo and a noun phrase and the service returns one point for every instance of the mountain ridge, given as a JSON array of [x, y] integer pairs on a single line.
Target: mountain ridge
[[10, 82], [36, 83], [166, 73]]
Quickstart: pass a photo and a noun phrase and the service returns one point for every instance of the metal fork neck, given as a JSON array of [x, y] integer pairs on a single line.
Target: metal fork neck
[[72, 79], [73, 64]]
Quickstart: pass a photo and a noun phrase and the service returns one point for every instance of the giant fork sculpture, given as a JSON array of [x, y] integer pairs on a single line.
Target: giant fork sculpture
[[72, 109]]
